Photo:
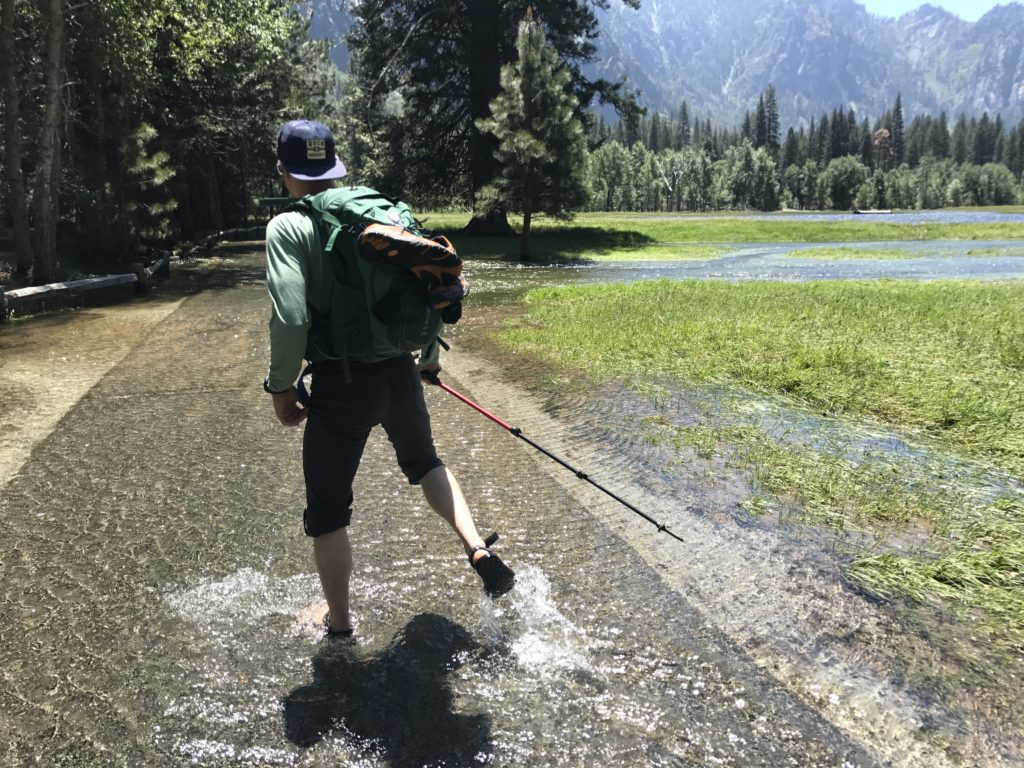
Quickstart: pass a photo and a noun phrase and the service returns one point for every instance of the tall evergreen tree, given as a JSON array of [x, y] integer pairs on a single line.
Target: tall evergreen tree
[[791, 150], [771, 106], [866, 149], [897, 130], [541, 149], [938, 137], [961, 140], [656, 134], [984, 144], [682, 137], [760, 137]]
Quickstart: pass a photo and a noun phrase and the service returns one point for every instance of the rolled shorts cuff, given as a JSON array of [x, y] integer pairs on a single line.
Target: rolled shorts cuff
[[415, 474], [318, 521]]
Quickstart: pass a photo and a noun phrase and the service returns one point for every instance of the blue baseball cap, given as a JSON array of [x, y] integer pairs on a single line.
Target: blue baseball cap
[[306, 149]]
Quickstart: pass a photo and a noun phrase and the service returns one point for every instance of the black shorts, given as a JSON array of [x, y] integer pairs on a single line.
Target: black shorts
[[341, 416]]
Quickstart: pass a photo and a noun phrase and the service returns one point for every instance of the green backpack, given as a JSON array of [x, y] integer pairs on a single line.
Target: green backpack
[[382, 303]]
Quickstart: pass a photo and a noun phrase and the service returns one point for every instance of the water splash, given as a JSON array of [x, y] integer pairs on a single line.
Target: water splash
[[542, 639], [244, 597]]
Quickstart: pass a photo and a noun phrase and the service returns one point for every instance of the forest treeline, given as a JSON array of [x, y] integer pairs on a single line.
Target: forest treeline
[[839, 161], [129, 125]]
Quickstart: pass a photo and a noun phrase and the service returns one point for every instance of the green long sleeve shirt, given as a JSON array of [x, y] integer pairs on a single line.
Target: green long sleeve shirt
[[299, 276]]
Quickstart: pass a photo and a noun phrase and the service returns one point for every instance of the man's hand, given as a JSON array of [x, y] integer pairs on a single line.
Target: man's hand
[[287, 408]]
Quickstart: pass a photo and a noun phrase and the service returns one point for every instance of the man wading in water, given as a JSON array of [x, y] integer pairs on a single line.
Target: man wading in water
[[349, 399]]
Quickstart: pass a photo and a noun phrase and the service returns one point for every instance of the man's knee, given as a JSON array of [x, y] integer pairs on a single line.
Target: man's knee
[[317, 522], [416, 471]]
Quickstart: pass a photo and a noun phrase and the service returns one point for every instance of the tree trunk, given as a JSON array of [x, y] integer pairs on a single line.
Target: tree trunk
[[484, 85], [214, 212], [524, 242], [46, 193], [489, 223], [14, 144]]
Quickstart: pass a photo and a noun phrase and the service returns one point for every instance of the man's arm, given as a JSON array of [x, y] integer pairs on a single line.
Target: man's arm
[[288, 240]]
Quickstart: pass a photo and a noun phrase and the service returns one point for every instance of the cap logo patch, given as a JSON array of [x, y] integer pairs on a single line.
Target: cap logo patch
[[316, 149]]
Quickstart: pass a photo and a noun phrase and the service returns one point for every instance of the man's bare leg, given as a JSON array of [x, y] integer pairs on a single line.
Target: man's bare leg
[[333, 555], [444, 496]]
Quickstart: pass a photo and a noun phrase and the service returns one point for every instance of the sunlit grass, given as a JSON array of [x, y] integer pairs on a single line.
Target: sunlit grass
[[980, 574], [854, 253]]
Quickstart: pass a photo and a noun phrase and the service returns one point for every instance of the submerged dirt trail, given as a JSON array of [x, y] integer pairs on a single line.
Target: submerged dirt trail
[[154, 564]]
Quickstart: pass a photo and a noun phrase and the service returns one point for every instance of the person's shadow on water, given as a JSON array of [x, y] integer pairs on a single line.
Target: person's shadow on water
[[397, 703]]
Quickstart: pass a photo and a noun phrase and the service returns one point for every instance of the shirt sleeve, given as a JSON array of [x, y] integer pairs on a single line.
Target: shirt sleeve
[[289, 239]]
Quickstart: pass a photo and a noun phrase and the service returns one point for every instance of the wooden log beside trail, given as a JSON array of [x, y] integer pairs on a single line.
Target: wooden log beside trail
[[56, 295]]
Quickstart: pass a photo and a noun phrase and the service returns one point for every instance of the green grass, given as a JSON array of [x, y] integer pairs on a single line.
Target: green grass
[[945, 359], [854, 253], [828, 489], [981, 574]]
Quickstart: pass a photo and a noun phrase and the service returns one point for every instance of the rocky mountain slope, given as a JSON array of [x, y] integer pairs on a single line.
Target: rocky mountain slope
[[819, 54]]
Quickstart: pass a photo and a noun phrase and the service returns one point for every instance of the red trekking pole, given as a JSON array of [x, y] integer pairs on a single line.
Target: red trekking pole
[[433, 379]]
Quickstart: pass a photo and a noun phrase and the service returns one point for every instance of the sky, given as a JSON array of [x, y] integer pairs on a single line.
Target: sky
[[971, 10]]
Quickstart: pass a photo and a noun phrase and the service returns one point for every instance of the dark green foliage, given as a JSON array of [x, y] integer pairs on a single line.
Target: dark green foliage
[[168, 116], [541, 149], [443, 60]]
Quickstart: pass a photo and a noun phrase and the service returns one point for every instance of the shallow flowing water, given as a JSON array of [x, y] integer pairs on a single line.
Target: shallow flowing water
[[153, 572], [933, 260]]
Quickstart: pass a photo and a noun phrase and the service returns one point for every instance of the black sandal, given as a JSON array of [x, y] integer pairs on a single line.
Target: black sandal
[[336, 632], [498, 578]]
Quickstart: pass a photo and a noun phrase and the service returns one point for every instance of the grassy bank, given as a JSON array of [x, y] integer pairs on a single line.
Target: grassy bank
[[944, 359], [652, 236], [831, 254]]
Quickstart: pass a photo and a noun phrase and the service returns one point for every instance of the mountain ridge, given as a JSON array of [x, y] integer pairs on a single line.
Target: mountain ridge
[[819, 55]]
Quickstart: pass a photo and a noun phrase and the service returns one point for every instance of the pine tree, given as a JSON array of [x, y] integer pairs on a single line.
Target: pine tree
[[821, 152], [898, 139], [866, 148], [771, 105], [656, 134], [938, 137], [961, 140], [984, 143], [541, 148], [791, 151], [760, 137], [445, 56], [683, 130]]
